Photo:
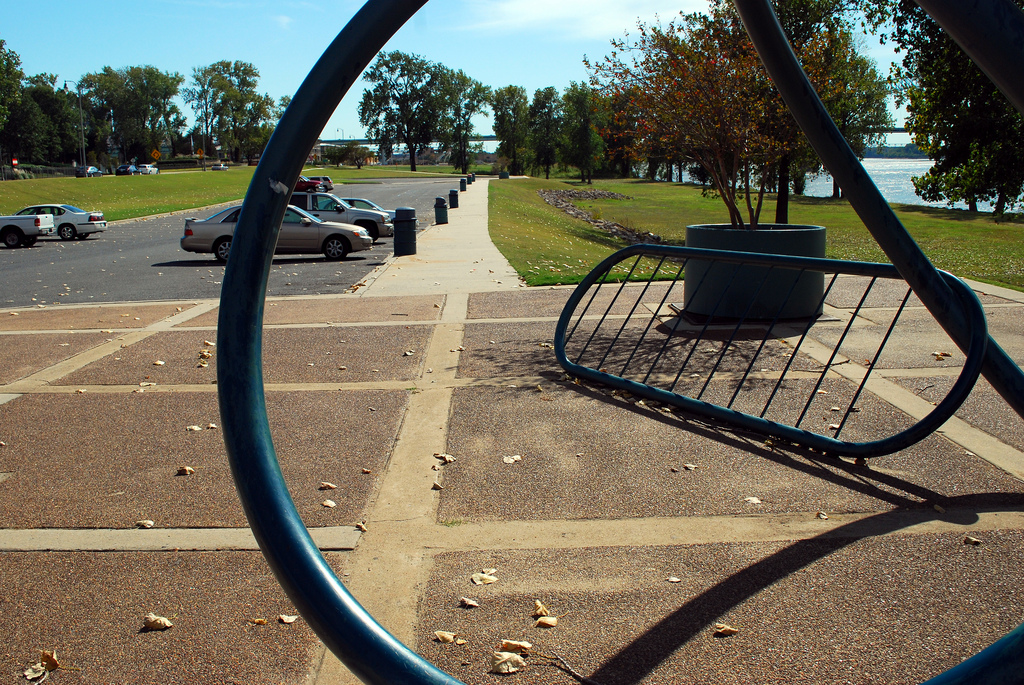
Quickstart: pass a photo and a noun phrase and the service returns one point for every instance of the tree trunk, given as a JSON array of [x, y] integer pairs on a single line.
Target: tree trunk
[[412, 159], [782, 202], [972, 205]]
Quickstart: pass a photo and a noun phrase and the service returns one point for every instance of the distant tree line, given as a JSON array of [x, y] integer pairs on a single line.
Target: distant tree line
[[124, 114]]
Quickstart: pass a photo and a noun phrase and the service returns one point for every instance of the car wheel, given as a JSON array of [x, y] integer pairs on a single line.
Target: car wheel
[[29, 242], [11, 237], [371, 228], [221, 249], [67, 232], [335, 248]]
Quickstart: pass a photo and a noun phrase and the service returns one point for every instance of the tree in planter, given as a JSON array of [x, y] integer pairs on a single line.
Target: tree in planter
[[698, 87]]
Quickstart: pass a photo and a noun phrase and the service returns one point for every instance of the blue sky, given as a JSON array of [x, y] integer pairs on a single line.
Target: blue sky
[[531, 43]]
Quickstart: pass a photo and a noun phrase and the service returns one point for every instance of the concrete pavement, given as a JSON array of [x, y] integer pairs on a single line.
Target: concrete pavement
[[446, 352]]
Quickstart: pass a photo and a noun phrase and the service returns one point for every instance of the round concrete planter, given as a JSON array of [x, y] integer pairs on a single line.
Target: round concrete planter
[[724, 295]]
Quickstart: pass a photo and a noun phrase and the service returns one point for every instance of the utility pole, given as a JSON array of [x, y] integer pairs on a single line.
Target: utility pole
[[81, 118]]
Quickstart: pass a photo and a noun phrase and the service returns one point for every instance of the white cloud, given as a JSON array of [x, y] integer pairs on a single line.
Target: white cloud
[[283, 21], [582, 19]]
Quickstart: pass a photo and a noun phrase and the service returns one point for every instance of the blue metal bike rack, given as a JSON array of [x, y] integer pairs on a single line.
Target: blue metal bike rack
[[365, 647]]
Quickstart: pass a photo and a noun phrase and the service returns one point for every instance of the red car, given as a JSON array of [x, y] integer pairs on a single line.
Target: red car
[[306, 185]]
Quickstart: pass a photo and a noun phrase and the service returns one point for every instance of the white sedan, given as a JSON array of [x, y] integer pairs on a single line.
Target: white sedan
[[71, 222], [147, 169], [301, 233]]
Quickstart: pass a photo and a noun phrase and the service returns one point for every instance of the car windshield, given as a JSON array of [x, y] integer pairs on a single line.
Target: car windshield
[[335, 198], [72, 208], [293, 215], [229, 214]]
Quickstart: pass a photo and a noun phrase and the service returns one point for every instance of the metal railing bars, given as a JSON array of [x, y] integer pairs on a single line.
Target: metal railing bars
[[796, 348], [650, 321], [610, 305], [835, 351], [735, 330], [764, 340], [665, 391], [625, 322], [874, 362]]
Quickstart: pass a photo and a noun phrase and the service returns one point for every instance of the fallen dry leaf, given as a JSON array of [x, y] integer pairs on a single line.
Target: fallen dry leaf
[[146, 384], [286, 619], [367, 471], [724, 630], [446, 458], [324, 485], [35, 673], [408, 353], [968, 540], [939, 508], [361, 527], [483, 578], [436, 486], [210, 344], [158, 363], [689, 467], [468, 603], [153, 622], [752, 500], [48, 658], [193, 428], [506, 662], [185, 470], [259, 621], [516, 646], [539, 609], [546, 622], [823, 516], [144, 524], [444, 636], [460, 641], [211, 426], [512, 459], [673, 579], [329, 503]]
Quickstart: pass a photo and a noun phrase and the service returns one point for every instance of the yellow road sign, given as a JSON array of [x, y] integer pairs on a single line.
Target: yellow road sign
[[155, 154]]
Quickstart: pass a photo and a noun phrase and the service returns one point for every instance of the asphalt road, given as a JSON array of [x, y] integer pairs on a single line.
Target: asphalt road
[[142, 260]]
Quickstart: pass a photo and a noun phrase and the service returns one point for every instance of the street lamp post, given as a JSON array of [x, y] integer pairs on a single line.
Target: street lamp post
[[81, 118]]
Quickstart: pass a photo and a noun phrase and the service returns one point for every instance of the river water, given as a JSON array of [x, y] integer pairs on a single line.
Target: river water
[[893, 178]]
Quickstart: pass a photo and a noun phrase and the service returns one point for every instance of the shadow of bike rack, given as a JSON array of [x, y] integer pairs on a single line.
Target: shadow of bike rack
[[797, 380], [366, 648]]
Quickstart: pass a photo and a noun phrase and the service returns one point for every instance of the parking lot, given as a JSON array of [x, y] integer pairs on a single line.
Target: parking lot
[[142, 260]]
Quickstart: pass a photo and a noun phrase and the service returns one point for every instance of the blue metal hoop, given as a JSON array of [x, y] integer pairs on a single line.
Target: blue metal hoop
[[362, 644]]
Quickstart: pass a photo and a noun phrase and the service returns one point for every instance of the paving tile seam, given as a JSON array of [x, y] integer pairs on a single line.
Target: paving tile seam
[[687, 530], [106, 305], [332, 538]]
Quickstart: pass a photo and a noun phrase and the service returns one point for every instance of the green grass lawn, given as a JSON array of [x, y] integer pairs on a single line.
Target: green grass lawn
[[124, 197], [533, 235]]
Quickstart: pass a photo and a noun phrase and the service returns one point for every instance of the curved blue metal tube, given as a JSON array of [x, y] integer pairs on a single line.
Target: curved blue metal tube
[[365, 647], [992, 666], [772, 46]]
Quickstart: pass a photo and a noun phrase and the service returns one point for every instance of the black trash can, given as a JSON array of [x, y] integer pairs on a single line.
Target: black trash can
[[440, 211], [462, 185], [453, 198], [503, 175], [405, 231]]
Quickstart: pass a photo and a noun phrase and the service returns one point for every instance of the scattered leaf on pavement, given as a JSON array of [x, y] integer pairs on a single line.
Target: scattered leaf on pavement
[[968, 540], [539, 609], [144, 524], [329, 503], [324, 485], [751, 500], [444, 636], [724, 630], [259, 621], [546, 622], [483, 578], [153, 622], [286, 619], [468, 603], [185, 470], [517, 646], [506, 662]]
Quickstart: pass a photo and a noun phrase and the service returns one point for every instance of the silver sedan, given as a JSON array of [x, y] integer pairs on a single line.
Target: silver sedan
[[301, 233], [71, 222]]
